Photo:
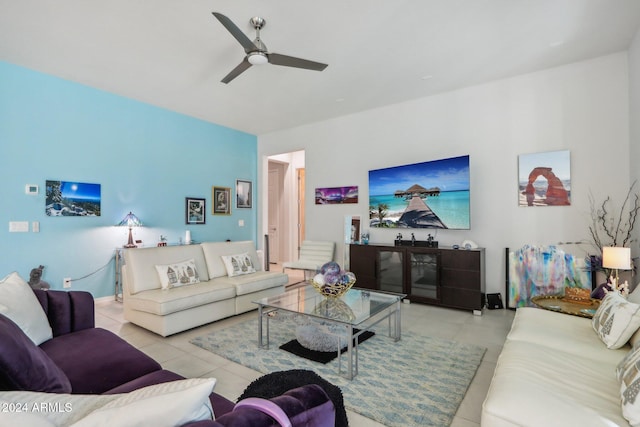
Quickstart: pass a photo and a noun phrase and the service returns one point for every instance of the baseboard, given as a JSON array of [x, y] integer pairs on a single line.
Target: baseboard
[[104, 300]]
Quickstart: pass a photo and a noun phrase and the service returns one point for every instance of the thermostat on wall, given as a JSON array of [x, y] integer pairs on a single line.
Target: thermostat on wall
[[31, 189]]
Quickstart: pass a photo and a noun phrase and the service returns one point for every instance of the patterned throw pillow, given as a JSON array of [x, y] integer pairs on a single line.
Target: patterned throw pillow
[[616, 320], [178, 274], [628, 372], [238, 264]]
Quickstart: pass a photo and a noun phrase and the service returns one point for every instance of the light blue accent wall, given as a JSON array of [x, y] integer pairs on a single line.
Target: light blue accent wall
[[146, 159]]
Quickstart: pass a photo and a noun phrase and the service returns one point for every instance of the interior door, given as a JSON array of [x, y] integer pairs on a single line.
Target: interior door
[[274, 215], [301, 184]]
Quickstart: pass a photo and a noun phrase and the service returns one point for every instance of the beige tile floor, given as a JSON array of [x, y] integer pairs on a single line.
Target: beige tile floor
[[177, 354]]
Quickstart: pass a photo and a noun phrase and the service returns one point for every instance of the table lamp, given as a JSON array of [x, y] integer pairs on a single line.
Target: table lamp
[[616, 258], [130, 221]]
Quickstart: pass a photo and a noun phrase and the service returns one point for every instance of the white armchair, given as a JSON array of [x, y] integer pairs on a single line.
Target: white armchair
[[313, 255]]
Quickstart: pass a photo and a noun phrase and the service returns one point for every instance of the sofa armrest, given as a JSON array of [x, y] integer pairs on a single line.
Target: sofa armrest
[[67, 311]]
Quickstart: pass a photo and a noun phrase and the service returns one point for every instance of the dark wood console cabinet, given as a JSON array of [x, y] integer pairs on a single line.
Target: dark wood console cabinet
[[440, 276]]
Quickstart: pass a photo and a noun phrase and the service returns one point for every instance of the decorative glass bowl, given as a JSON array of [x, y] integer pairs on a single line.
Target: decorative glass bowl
[[333, 291]]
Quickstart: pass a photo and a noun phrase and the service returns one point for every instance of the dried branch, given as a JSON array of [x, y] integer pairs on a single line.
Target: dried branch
[[614, 228]]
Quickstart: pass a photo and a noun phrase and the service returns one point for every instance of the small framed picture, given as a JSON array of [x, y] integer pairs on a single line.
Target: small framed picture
[[244, 194], [221, 197], [195, 211]]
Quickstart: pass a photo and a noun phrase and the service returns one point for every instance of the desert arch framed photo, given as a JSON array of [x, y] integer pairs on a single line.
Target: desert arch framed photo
[[544, 179]]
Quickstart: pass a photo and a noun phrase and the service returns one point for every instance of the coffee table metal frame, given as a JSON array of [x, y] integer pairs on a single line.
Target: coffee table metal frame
[[388, 307]]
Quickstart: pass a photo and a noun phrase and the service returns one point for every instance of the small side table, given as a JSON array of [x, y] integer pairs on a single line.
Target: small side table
[[557, 303]]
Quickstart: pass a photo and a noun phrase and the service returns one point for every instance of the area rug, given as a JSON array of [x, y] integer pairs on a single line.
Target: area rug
[[418, 381], [299, 350]]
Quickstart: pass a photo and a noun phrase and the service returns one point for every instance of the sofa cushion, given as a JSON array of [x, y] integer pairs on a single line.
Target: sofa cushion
[[171, 404], [141, 265], [628, 372], [551, 330], [213, 252], [178, 274], [616, 320], [560, 388], [250, 283], [18, 303], [96, 360], [174, 403], [163, 302], [24, 366], [238, 265]]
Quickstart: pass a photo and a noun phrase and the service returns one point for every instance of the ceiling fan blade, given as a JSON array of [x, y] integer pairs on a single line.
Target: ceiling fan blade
[[237, 71], [236, 32], [290, 61]]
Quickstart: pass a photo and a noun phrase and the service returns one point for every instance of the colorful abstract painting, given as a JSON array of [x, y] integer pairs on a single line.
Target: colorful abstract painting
[[544, 270]]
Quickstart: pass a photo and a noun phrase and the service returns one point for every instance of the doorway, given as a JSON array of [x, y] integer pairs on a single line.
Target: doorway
[[285, 205]]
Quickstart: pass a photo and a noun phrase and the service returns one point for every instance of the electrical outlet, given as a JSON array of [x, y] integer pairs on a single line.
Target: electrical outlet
[[66, 282]]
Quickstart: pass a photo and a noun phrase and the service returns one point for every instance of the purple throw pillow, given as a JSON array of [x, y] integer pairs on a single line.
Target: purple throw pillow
[[599, 292], [24, 365]]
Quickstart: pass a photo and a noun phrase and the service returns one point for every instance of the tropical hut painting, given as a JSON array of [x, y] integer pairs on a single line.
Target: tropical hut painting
[[431, 194]]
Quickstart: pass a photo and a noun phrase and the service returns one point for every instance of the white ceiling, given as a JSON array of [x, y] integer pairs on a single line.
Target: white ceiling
[[173, 54]]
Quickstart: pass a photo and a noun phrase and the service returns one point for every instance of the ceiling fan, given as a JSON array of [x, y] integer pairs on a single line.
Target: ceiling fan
[[256, 51]]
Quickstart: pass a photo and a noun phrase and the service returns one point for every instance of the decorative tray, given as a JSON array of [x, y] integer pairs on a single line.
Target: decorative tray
[[560, 304]]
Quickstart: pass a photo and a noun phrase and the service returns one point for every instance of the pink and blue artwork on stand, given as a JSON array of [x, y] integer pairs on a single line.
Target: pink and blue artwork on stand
[[72, 199], [544, 270], [336, 195]]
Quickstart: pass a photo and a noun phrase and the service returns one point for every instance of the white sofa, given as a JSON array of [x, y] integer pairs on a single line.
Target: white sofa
[[554, 370], [216, 296]]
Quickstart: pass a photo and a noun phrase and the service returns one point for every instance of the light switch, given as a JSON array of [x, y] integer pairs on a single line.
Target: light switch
[[35, 226], [18, 226], [241, 223]]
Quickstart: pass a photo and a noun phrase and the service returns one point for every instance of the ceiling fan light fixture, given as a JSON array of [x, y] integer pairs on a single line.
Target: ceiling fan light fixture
[[257, 58]]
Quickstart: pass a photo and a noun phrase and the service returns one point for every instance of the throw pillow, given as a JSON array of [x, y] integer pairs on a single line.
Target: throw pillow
[[635, 295], [237, 265], [616, 320], [172, 403], [24, 365], [628, 372], [178, 274], [20, 304]]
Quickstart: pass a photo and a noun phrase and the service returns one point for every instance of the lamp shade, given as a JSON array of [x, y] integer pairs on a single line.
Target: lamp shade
[[130, 221], [615, 257]]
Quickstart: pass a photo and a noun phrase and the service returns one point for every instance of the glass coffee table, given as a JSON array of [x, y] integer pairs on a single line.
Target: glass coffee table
[[356, 311]]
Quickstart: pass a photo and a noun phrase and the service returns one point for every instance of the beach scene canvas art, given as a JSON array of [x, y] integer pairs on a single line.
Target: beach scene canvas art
[[433, 194]]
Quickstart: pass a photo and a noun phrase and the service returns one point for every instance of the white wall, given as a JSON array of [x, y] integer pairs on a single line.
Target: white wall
[[634, 98], [582, 107]]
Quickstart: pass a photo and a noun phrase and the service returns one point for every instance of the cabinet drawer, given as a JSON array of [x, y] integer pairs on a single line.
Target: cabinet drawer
[[461, 298], [467, 279], [461, 259]]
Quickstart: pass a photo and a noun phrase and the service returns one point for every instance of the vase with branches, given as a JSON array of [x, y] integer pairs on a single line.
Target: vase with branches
[[609, 228]]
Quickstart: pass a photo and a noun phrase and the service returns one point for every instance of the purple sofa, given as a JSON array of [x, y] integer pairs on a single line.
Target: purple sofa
[[83, 359]]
